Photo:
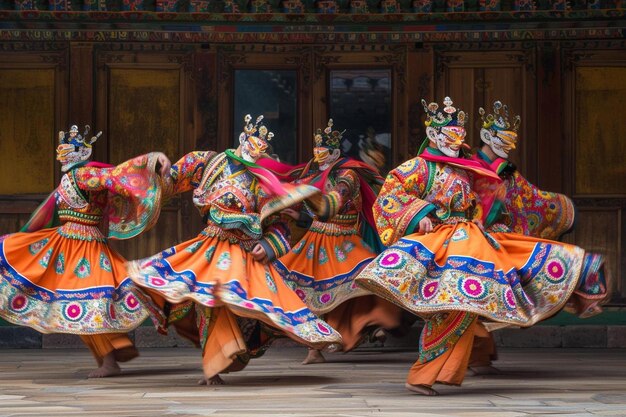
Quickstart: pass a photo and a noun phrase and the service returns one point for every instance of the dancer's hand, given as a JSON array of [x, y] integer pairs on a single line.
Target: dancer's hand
[[425, 225], [165, 163], [259, 254], [291, 213]]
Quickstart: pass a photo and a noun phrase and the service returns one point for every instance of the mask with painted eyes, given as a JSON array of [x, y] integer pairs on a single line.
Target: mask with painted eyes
[[252, 148], [74, 149], [499, 130], [448, 139], [325, 156], [253, 140], [501, 142], [327, 146]]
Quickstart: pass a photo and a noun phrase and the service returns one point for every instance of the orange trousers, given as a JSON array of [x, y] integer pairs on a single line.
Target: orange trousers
[[224, 343], [448, 368], [484, 348], [119, 344], [351, 318]]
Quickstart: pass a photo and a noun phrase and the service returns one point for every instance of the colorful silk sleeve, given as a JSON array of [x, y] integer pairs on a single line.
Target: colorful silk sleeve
[[134, 198], [347, 184], [275, 239], [186, 174], [399, 206], [535, 212]]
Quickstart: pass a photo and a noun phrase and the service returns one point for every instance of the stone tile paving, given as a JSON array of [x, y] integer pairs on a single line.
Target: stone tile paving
[[162, 382]]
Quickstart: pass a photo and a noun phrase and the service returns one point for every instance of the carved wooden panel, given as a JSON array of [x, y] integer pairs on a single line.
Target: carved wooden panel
[[600, 95], [477, 79]]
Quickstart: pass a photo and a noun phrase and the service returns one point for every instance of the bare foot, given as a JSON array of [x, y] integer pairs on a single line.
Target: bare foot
[[483, 370], [214, 380], [333, 347], [380, 336], [108, 367], [421, 389], [105, 371], [314, 356]]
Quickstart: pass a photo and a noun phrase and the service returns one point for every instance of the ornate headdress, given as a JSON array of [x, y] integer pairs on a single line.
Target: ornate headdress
[[328, 138], [74, 148], [450, 116], [499, 120], [254, 130]]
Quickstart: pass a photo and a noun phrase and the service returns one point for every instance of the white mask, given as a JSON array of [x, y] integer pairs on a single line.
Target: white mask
[[448, 139], [501, 143]]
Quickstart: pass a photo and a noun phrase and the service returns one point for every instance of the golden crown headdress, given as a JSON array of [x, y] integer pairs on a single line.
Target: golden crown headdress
[[250, 129], [450, 116], [499, 120], [328, 138]]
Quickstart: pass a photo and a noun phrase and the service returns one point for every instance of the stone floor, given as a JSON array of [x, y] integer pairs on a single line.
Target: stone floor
[[162, 382]]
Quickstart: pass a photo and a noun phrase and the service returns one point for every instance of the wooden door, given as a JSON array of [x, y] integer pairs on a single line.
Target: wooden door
[[34, 92], [144, 102], [593, 154], [478, 78]]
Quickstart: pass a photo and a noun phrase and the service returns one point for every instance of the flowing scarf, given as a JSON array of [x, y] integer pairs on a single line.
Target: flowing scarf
[[268, 180], [369, 181]]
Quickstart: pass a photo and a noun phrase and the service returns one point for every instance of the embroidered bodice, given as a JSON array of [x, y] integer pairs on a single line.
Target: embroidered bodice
[[450, 192], [420, 188], [82, 196], [341, 199], [229, 198]]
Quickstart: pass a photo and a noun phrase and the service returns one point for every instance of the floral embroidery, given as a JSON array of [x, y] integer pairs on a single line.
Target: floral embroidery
[[208, 254], [298, 248], [322, 256], [45, 259], [105, 262], [340, 254], [348, 247], [34, 248], [60, 264], [270, 282], [83, 268], [310, 251], [193, 248], [224, 261], [459, 235]]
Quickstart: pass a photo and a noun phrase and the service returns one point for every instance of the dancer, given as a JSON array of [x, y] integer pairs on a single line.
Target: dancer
[[321, 267], [445, 268], [223, 278], [521, 207], [58, 275]]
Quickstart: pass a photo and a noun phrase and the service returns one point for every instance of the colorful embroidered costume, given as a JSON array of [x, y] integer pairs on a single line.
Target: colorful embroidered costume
[[218, 273], [515, 204], [457, 272], [321, 267], [60, 276]]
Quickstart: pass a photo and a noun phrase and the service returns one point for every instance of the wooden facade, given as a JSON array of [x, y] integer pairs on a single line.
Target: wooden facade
[[165, 82]]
